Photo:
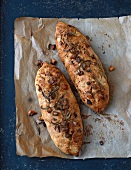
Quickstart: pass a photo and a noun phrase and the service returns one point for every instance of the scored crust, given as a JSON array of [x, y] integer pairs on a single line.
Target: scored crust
[[83, 66], [59, 109]]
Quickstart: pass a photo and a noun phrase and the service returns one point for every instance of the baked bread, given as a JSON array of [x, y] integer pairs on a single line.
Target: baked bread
[[59, 109], [83, 66]]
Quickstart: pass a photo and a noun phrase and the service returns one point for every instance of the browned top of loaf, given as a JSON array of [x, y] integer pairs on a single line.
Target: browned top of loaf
[[83, 65], [60, 109]]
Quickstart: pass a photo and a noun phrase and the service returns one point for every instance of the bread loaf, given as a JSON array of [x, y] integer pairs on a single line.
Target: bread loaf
[[83, 66], [59, 109]]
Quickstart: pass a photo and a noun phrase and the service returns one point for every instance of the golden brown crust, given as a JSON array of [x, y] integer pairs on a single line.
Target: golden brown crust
[[83, 66], [60, 109]]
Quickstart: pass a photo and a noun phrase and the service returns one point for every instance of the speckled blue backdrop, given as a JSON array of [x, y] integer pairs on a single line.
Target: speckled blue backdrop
[[11, 9]]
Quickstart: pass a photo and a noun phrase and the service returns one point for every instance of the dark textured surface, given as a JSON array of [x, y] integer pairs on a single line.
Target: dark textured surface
[[12, 9]]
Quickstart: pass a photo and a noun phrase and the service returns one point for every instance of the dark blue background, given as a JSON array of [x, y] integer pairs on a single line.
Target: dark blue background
[[11, 9]]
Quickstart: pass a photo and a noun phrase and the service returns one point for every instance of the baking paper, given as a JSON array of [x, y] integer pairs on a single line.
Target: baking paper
[[105, 136]]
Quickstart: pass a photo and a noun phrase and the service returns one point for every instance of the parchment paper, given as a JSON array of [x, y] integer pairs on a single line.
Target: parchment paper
[[111, 40]]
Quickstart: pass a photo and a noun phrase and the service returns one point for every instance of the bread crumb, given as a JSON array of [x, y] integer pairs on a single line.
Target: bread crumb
[[32, 113], [111, 68], [51, 46]]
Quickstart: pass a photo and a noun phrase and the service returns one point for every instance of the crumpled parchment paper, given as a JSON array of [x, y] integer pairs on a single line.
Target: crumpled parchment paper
[[105, 136]]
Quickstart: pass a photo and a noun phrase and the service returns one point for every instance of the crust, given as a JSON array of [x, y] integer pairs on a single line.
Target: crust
[[83, 66], [60, 109]]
